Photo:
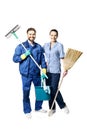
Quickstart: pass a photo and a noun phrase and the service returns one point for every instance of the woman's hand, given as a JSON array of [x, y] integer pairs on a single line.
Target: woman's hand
[[65, 73]]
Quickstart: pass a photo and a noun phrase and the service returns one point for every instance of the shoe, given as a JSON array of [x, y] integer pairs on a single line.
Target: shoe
[[41, 110], [66, 110], [28, 115], [51, 112]]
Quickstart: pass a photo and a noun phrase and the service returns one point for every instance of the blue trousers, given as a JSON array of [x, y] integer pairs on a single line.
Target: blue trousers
[[53, 81], [26, 81]]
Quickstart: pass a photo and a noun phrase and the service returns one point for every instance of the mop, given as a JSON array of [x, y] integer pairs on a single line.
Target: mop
[[13, 32], [71, 57], [42, 92]]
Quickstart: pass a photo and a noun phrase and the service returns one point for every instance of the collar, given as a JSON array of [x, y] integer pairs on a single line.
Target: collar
[[32, 44]]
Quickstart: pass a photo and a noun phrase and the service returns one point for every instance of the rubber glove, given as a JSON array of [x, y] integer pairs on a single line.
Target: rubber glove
[[44, 70], [27, 53], [43, 73]]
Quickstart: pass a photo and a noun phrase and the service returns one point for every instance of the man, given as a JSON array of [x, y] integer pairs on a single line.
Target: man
[[29, 70]]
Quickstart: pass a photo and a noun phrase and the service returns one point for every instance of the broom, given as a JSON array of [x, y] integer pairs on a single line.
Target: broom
[[71, 57]]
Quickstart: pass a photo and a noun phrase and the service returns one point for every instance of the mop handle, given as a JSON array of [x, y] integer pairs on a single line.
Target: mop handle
[[30, 54], [15, 35], [19, 40]]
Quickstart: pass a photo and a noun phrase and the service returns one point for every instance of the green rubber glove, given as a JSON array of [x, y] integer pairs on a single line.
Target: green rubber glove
[[27, 53], [43, 74]]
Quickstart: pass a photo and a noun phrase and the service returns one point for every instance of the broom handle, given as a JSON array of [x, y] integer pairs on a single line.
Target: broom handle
[[57, 92], [30, 54]]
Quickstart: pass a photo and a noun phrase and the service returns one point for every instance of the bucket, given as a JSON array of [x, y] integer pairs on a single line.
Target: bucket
[[41, 94]]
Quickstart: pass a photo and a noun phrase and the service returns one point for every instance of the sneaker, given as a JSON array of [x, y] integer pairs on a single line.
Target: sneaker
[[66, 110], [28, 115], [41, 110], [51, 112]]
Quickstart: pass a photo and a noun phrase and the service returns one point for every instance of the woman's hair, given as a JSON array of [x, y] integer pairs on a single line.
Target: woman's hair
[[53, 30]]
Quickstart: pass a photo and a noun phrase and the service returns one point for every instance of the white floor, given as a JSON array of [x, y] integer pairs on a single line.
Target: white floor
[[12, 116]]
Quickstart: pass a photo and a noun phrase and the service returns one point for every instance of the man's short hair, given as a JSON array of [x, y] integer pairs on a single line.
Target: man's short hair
[[31, 29]]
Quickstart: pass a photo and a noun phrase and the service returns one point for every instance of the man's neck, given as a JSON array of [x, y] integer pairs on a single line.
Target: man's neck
[[31, 43]]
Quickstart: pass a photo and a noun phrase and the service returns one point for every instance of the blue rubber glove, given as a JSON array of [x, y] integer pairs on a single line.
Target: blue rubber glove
[[27, 53]]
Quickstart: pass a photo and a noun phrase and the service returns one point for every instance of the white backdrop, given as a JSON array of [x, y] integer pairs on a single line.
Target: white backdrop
[[69, 17]]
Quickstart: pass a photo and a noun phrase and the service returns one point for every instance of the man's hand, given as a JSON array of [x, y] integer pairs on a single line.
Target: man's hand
[[43, 73], [27, 53], [44, 70]]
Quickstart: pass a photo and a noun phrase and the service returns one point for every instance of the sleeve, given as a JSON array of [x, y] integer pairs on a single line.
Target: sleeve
[[44, 53], [43, 61], [62, 53], [17, 54]]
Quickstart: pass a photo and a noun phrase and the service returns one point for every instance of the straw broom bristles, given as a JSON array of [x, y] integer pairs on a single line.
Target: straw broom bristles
[[71, 57]]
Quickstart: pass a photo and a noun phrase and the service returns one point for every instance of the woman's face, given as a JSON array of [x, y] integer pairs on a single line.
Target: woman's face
[[53, 36]]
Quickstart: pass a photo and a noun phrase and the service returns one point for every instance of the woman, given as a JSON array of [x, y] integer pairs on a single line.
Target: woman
[[54, 51]]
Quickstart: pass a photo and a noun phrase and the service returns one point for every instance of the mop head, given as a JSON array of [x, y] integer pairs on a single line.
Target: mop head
[[13, 30], [70, 58]]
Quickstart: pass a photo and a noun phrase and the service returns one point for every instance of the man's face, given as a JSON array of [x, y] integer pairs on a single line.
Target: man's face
[[53, 36], [31, 35]]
